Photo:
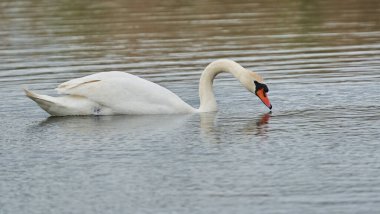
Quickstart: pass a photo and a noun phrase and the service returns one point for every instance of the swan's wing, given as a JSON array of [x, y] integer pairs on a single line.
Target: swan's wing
[[67, 87], [125, 93]]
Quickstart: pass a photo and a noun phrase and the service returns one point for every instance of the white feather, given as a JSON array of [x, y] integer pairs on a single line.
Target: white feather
[[117, 92]]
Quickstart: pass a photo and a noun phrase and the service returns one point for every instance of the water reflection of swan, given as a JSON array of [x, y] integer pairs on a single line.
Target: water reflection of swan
[[259, 126], [149, 127], [141, 125], [110, 93], [211, 131]]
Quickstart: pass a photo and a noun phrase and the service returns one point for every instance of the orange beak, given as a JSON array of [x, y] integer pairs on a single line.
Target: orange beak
[[264, 97]]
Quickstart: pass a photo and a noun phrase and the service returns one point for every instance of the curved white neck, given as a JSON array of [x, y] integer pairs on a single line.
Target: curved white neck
[[206, 93]]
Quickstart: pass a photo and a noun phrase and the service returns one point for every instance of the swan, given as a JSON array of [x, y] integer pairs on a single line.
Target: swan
[[115, 92]]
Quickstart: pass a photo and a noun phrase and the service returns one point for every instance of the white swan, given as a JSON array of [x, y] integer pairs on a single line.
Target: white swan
[[109, 93]]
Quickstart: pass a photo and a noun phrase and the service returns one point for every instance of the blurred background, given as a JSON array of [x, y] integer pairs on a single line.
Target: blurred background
[[72, 38]]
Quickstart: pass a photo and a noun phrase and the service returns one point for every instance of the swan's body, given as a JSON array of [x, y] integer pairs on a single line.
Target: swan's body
[[109, 93]]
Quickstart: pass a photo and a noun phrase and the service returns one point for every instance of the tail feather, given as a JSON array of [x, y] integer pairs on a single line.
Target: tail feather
[[47, 103], [37, 98], [67, 105]]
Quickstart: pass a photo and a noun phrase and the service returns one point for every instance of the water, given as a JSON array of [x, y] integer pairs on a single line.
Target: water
[[318, 152]]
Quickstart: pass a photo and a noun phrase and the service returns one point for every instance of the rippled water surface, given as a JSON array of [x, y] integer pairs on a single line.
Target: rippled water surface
[[317, 152]]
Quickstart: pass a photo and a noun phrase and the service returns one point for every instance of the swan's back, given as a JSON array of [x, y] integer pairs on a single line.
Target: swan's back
[[125, 94]]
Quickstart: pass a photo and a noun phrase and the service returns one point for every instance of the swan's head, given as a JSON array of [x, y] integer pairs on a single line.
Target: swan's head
[[261, 91], [255, 85]]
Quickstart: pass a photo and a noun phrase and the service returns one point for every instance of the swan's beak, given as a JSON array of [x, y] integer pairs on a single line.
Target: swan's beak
[[264, 97]]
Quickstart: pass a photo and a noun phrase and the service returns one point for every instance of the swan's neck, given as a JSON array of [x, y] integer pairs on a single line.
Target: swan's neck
[[206, 93]]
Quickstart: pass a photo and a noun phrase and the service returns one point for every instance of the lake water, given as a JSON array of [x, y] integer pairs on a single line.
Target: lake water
[[317, 152]]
